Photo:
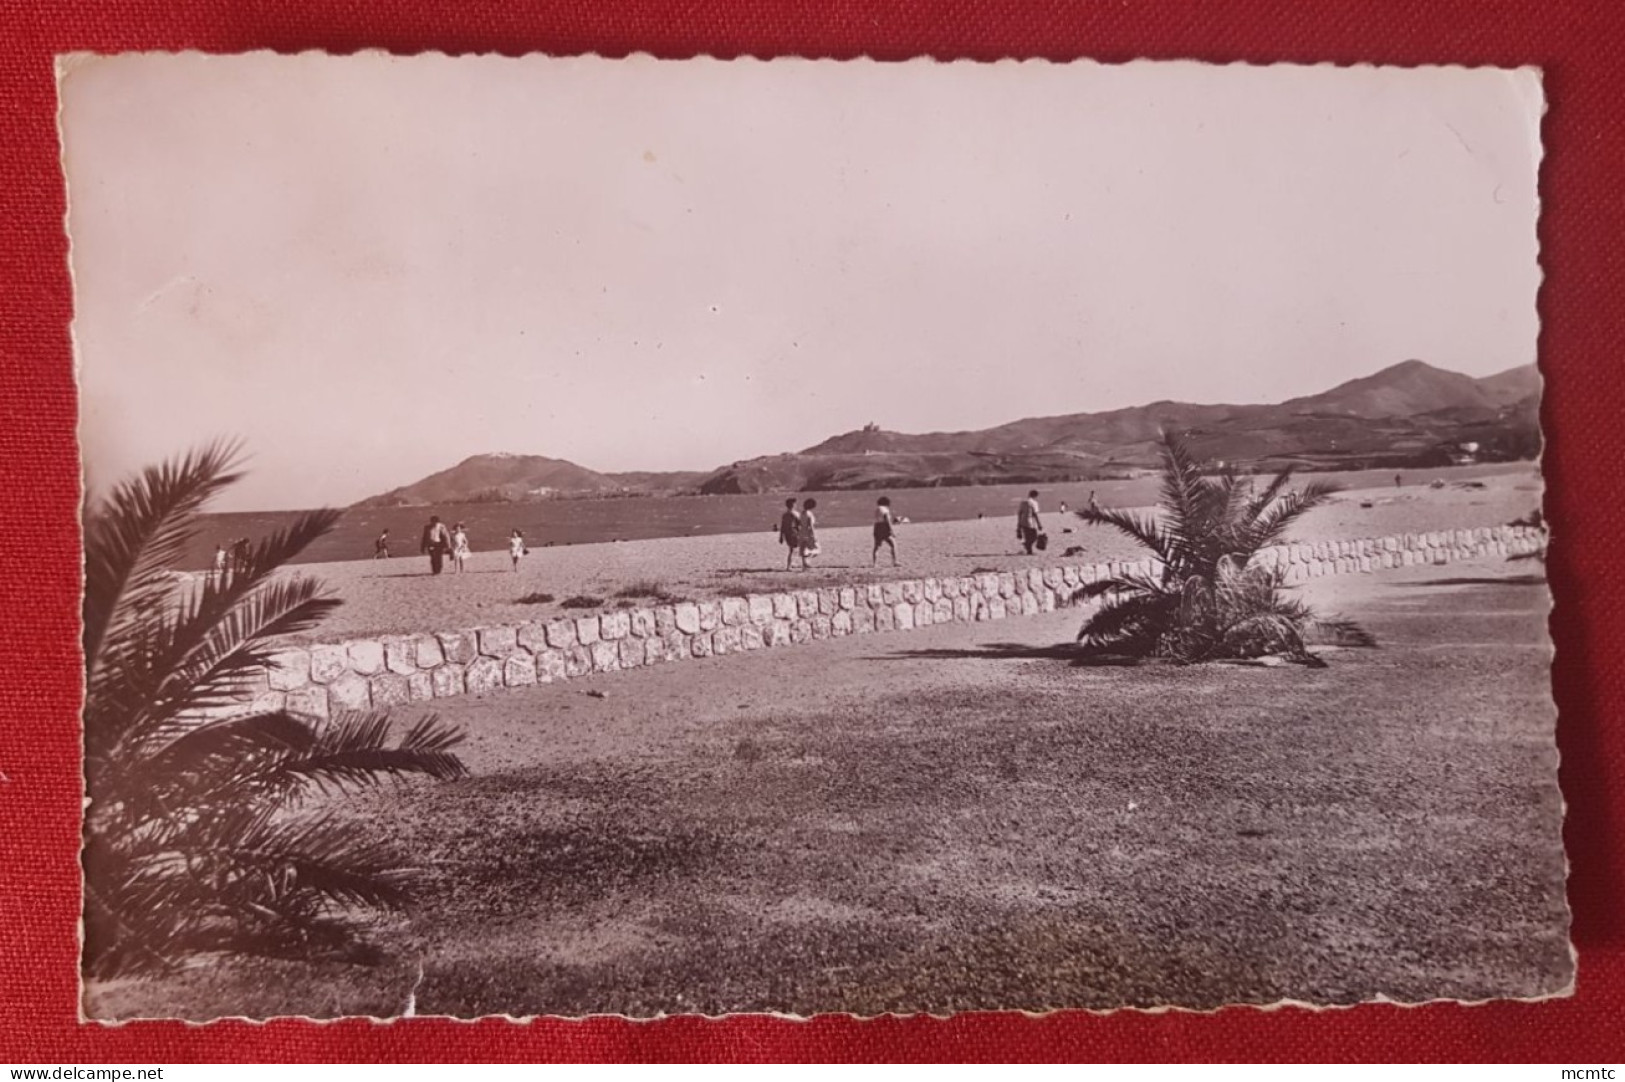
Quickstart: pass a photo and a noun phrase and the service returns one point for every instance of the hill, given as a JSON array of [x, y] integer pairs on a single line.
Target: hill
[[495, 478], [1410, 414], [1407, 415]]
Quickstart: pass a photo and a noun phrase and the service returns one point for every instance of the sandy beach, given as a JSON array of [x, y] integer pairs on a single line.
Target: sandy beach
[[399, 595]]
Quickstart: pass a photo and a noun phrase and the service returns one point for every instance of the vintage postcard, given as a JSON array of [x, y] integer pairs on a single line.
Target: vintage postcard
[[570, 536]]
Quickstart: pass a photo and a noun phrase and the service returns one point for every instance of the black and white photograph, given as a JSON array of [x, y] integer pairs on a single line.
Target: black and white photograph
[[570, 536]]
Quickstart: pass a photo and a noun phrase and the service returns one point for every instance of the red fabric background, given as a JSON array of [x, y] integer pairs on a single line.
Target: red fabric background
[[1582, 349]]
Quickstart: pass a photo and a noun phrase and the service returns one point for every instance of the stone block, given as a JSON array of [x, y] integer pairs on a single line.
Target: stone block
[[735, 611], [750, 637], [390, 689], [654, 650], [829, 601], [633, 652], [271, 702], [987, 584], [665, 620], [841, 623], [309, 701], [426, 652], [289, 670], [784, 607], [903, 616], [448, 680], [550, 666], [930, 590], [483, 676], [952, 587], [531, 637], [642, 623], [677, 646], [366, 656], [760, 607], [497, 642], [1033, 583], [1007, 584], [400, 656], [1053, 578], [800, 631], [577, 661], [911, 590], [350, 692], [687, 616], [924, 612], [891, 592], [519, 670], [777, 633], [863, 620], [962, 609], [885, 617], [587, 630], [710, 616], [606, 657], [848, 598], [420, 687], [806, 603], [875, 594], [614, 626], [725, 640], [996, 608], [458, 646], [328, 663], [820, 625], [700, 645]]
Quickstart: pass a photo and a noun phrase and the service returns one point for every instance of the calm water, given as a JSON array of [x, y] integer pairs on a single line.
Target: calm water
[[574, 522]]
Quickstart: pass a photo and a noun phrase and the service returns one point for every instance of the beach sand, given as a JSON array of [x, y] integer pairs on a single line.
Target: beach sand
[[399, 595]]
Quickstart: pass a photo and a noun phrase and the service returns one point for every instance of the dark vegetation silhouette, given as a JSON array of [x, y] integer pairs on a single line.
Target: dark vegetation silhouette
[[1208, 600], [222, 835]]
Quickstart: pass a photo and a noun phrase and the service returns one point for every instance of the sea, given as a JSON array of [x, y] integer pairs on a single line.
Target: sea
[[629, 518]]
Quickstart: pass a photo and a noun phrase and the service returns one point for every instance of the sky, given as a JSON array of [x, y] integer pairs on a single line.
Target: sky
[[370, 267]]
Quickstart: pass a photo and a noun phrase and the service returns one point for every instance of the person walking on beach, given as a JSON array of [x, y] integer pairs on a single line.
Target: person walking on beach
[[436, 542], [459, 548], [219, 560], [807, 539], [516, 548], [884, 528], [240, 554], [790, 532], [1028, 525], [380, 547]]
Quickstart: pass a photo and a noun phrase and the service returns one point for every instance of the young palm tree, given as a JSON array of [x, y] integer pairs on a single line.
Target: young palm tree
[[199, 833], [1209, 601]]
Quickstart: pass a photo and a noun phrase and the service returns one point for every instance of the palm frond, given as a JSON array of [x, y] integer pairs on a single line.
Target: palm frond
[[137, 533]]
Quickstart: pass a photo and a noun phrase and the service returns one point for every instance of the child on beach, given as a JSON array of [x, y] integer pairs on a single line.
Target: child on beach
[[516, 548], [807, 540], [790, 532], [884, 527], [459, 548]]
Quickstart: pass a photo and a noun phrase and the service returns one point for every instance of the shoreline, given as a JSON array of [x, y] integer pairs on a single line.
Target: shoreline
[[398, 595]]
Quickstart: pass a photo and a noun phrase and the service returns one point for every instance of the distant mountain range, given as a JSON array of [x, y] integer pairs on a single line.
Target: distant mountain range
[[1406, 416]]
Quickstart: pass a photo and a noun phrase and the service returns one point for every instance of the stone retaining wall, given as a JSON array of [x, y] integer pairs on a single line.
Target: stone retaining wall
[[397, 670]]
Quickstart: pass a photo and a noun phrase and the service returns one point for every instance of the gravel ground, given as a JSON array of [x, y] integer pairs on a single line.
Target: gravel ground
[[399, 595], [959, 818]]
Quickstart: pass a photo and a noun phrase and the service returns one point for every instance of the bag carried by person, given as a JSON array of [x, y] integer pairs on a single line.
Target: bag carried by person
[[1042, 543]]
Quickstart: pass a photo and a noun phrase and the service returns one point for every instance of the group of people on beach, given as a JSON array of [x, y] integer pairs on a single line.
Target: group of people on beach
[[440, 541], [237, 556], [798, 531]]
